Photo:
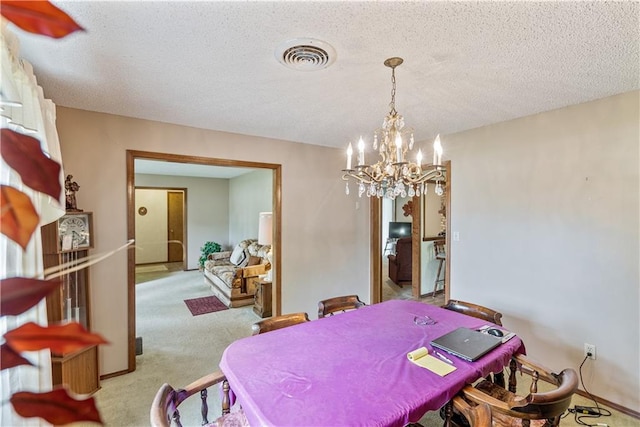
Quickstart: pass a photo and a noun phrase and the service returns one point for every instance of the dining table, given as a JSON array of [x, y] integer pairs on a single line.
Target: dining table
[[352, 368]]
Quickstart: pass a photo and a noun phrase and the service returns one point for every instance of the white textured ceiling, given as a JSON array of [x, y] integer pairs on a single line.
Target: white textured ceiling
[[156, 167], [211, 64]]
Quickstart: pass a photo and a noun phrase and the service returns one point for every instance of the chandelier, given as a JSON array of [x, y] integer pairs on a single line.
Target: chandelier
[[394, 175]]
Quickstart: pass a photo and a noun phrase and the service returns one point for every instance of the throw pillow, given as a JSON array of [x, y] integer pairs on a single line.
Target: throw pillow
[[254, 260], [239, 257]]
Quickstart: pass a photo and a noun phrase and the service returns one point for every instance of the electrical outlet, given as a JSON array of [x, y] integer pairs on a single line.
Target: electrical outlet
[[590, 349]]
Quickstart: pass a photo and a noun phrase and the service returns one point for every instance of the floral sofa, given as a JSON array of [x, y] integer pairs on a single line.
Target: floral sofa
[[229, 273]]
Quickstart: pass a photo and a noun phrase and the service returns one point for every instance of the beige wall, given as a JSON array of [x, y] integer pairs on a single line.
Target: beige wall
[[249, 194], [207, 209], [151, 228], [325, 238], [432, 226], [547, 208]]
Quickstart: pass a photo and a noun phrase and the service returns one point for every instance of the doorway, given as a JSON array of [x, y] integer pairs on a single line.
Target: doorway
[[418, 238], [160, 226], [132, 156], [397, 226]]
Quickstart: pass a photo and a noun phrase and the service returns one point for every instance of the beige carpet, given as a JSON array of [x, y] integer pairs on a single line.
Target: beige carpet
[[179, 348]]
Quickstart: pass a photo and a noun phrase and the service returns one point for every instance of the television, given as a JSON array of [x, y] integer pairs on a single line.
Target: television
[[399, 229]]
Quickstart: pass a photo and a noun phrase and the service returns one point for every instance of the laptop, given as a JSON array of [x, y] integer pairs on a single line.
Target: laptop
[[466, 343]]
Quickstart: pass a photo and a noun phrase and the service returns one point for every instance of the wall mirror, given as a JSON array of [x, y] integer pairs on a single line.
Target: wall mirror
[[434, 213]]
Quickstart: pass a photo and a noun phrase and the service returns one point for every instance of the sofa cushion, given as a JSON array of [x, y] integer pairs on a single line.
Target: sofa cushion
[[224, 274], [256, 249], [239, 257]]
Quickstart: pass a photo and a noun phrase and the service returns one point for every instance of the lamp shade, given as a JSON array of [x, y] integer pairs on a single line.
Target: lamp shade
[[265, 229]]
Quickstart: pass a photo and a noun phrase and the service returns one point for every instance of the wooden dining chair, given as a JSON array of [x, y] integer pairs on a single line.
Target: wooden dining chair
[[474, 415], [277, 322], [474, 310], [330, 306], [479, 312], [164, 409], [535, 408]]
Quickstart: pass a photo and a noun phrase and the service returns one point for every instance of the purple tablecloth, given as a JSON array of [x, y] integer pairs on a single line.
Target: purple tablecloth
[[352, 369]]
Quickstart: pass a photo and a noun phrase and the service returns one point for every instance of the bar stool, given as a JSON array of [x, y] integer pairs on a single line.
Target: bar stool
[[390, 246], [440, 256]]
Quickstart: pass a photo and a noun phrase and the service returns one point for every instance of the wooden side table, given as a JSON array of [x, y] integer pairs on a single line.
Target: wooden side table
[[262, 297]]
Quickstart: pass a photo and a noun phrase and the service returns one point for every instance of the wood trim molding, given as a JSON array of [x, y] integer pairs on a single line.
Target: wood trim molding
[[431, 239], [447, 262], [114, 374], [375, 253], [277, 224], [416, 247], [131, 155], [131, 263], [627, 411]]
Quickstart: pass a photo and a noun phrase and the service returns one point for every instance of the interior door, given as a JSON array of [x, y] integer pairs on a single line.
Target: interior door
[[175, 218]]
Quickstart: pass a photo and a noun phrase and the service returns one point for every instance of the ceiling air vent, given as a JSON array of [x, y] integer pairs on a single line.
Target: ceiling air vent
[[305, 54]]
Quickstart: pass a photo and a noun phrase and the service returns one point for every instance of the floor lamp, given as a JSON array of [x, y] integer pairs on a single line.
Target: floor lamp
[[265, 233]]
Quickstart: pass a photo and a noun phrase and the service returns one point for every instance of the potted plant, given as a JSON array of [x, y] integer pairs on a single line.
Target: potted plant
[[206, 250]]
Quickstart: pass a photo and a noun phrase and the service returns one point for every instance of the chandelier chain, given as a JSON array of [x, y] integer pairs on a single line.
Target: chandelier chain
[[392, 104]]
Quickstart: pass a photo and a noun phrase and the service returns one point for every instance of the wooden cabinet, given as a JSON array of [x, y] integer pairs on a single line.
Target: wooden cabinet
[[262, 297], [65, 242], [77, 370]]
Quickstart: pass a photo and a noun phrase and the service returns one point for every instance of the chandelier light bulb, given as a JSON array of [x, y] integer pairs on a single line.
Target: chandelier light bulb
[[349, 154], [398, 147], [419, 158], [361, 152], [437, 151]]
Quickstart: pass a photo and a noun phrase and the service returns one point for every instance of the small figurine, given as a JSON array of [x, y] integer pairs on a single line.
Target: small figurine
[[70, 188]]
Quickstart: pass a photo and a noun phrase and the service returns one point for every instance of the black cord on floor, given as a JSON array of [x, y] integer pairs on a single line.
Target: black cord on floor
[[596, 411]]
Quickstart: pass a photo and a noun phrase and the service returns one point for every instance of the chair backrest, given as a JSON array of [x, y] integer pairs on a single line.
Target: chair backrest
[[439, 248], [476, 415], [164, 408], [474, 310], [330, 306], [549, 404], [403, 250], [508, 407], [277, 322]]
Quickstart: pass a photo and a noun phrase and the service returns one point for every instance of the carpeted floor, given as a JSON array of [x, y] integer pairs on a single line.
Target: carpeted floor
[[179, 348]]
